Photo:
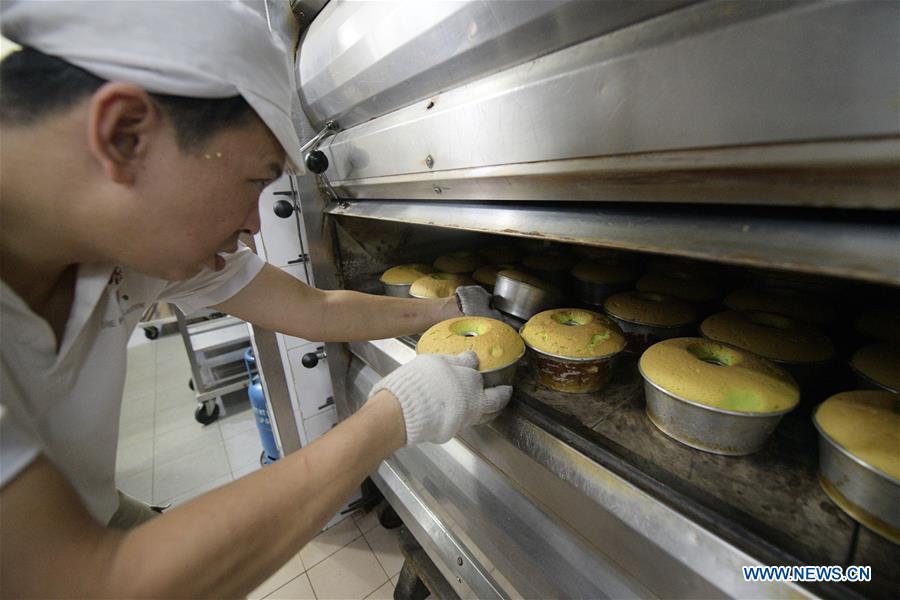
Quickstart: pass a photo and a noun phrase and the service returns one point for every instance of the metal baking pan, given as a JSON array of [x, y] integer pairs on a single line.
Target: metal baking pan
[[869, 496], [522, 299], [706, 427]]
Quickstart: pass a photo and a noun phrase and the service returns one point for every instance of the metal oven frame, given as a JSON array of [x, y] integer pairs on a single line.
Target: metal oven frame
[[736, 163]]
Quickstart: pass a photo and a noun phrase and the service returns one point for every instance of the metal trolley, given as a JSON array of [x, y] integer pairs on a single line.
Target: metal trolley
[[215, 345]]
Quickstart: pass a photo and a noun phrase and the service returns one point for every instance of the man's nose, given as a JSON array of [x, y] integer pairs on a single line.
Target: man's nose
[[252, 222]]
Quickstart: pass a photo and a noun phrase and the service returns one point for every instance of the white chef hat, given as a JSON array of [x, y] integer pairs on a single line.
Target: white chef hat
[[200, 49]]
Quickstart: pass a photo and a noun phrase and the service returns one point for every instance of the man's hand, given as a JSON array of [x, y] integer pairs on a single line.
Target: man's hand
[[475, 301], [440, 395]]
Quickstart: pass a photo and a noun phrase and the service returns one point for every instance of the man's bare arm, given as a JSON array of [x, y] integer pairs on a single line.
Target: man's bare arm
[[279, 302], [51, 547]]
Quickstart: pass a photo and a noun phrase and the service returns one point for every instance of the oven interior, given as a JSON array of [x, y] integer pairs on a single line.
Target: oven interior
[[769, 503]]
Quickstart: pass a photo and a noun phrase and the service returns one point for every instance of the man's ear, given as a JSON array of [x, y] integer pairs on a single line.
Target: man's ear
[[121, 117]]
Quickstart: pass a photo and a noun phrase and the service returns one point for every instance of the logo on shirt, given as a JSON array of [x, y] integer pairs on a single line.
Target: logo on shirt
[[121, 298], [114, 280], [116, 277]]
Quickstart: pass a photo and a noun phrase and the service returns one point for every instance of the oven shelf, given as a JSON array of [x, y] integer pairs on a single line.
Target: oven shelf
[[858, 245], [769, 503], [768, 506]]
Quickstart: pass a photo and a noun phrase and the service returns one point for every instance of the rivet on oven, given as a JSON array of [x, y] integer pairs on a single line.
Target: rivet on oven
[[437, 189], [459, 560], [429, 161]]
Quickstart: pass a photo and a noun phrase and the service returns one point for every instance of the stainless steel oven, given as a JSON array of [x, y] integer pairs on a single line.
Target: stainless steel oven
[[757, 137]]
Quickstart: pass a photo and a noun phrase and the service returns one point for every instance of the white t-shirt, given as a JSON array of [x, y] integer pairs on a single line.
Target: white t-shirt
[[66, 405]]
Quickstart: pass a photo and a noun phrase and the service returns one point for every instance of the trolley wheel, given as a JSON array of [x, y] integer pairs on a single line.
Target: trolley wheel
[[191, 383], [151, 333], [204, 416]]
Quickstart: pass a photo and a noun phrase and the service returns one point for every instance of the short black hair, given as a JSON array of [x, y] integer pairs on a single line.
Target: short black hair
[[34, 85]]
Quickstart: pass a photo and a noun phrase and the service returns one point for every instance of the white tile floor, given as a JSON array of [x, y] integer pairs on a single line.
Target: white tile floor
[[166, 456]]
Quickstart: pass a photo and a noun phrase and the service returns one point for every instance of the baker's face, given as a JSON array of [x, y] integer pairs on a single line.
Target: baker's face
[[199, 202]]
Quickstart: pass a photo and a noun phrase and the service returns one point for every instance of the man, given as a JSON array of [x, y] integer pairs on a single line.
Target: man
[[136, 138]]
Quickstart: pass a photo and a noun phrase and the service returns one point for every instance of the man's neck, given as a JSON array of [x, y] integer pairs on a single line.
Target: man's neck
[[48, 289], [37, 257], [32, 280]]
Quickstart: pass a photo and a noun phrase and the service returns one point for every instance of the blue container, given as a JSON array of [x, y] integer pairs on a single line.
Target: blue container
[[260, 410]]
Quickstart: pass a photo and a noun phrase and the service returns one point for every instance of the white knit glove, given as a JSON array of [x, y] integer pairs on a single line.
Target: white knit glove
[[475, 301], [440, 395]]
